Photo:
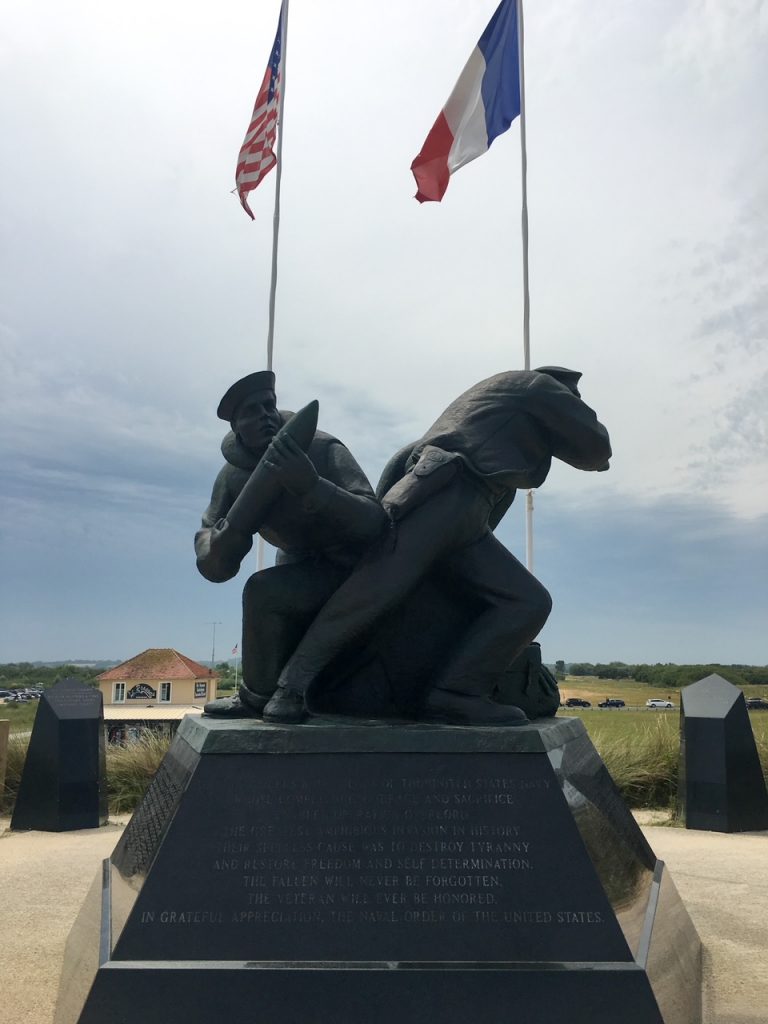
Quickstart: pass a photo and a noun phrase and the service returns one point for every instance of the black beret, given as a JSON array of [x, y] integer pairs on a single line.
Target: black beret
[[264, 380], [570, 378]]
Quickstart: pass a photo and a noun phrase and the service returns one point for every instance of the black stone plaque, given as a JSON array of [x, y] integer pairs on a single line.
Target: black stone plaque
[[279, 874], [63, 785], [339, 859], [721, 785]]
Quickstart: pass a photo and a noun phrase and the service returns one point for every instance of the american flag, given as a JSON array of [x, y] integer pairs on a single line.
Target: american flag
[[257, 157]]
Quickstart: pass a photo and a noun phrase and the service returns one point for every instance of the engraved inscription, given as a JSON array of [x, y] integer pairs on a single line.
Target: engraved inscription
[[405, 850], [73, 697], [370, 857]]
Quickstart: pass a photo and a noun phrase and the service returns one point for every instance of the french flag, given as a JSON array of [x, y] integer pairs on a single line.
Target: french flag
[[483, 104]]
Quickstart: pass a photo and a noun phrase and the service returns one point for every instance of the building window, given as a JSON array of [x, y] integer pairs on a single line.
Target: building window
[[118, 695], [165, 692]]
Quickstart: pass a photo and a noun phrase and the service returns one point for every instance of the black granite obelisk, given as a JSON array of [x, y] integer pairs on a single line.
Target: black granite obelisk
[[721, 786], [64, 785]]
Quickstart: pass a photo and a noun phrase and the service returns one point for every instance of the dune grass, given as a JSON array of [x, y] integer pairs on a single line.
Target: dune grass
[[643, 762], [17, 752], [21, 716], [131, 768], [641, 750]]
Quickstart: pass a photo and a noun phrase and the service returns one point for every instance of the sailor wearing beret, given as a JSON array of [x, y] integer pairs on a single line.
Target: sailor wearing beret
[[320, 513]]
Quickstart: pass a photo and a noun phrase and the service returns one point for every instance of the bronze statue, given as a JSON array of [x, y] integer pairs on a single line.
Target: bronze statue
[[407, 607], [315, 506]]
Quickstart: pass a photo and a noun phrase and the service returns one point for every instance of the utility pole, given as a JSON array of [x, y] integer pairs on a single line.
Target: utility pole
[[213, 644]]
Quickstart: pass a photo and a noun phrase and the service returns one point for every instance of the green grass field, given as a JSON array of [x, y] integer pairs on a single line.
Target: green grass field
[[627, 724], [622, 723], [612, 723], [21, 716], [635, 694]]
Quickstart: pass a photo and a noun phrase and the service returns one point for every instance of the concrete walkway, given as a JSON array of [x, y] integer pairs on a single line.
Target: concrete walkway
[[723, 880]]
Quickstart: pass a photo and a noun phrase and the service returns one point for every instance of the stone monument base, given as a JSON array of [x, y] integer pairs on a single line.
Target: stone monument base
[[365, 872], [63, 785], [721, 786]]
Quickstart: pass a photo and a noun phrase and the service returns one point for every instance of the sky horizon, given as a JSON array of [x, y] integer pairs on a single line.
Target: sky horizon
[[133, 292]]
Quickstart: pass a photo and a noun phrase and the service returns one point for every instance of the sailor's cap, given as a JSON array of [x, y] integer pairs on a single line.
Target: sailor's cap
[[264, 380]]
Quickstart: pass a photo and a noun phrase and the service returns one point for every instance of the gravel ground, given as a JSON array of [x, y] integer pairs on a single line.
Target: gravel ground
[[722, 879]]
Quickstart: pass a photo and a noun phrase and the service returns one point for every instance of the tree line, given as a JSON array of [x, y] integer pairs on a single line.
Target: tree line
[[668, 674], [21, 674], [17, 675]]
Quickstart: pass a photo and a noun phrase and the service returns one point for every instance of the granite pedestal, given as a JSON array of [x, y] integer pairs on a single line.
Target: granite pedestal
[[372, 872], [64, 782], [721, 785]]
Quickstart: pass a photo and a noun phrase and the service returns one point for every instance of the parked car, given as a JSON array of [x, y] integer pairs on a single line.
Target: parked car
[[576, 702], [654, 702], [757, 702], [611, 702], [6, 693]]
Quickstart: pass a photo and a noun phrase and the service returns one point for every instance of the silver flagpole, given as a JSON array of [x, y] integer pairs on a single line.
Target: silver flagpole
[[278, 179], [526, 295], [276, 215]]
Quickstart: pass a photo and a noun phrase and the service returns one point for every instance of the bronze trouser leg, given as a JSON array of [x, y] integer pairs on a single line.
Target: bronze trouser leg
[[448, 520], [278, 605], [516, 606]]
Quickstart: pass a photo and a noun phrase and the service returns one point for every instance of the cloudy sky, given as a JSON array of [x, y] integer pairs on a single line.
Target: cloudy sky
[[133, 291]]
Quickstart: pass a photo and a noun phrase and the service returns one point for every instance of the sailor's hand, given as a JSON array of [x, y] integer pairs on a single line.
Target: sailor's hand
[[290, 464]]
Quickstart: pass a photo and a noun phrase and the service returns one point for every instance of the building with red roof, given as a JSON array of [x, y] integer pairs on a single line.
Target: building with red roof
[[159, 678]]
